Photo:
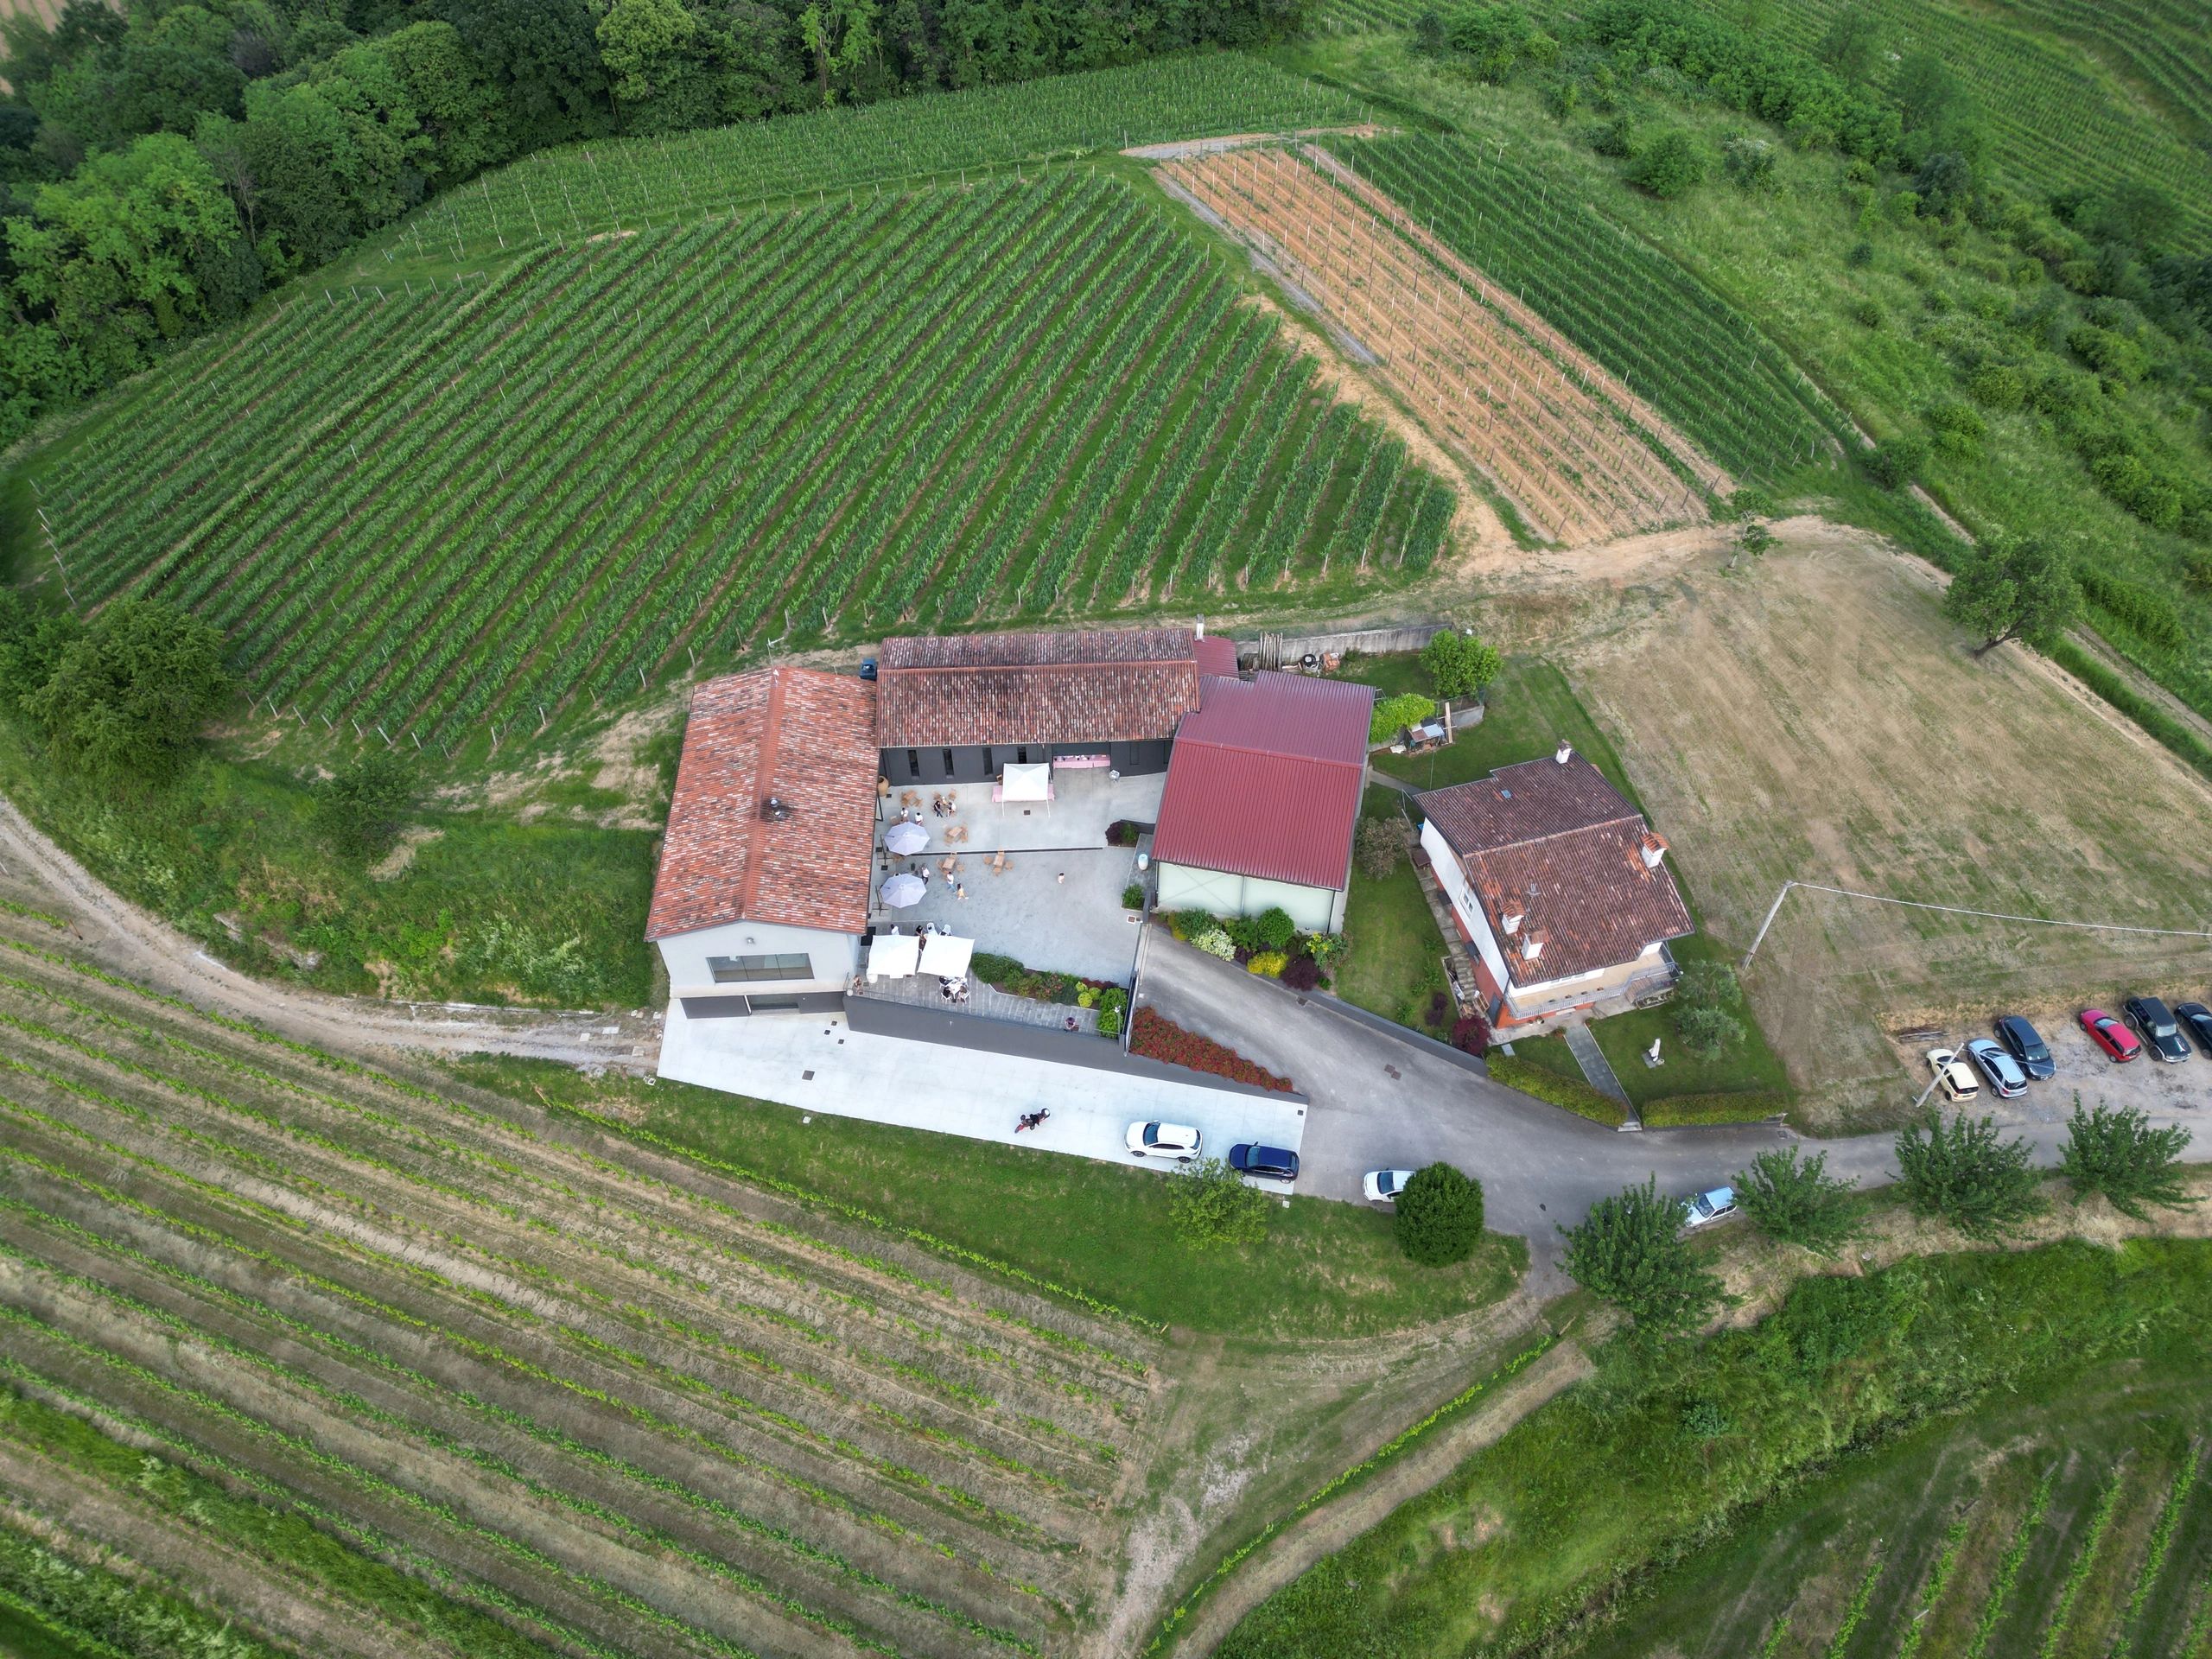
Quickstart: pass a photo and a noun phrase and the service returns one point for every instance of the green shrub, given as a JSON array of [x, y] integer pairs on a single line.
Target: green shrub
[[1440, 1217], [1958, 429], [1896, 463], [1378, 847], [1393, 715], [1726, 1106], [1216, 942], [1868, 312], [1211, 1205], [1189, 924], [1569, 1094], [1133, 896], [1109, 1022], [1995, 386], [1748, 161], [1671, 165], [1274, 929], [1268, 964], [358, 810]]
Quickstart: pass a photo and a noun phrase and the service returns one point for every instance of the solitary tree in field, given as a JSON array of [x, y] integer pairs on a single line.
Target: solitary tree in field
[[1630, 1250], [2022, 590], [1959, 1172], [359, 809], [1798, 1201], [1440, 1218], [2120, 1155], [1703, 996]]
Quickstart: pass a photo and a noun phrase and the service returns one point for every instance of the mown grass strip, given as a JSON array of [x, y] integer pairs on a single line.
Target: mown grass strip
[[1388, 1452]]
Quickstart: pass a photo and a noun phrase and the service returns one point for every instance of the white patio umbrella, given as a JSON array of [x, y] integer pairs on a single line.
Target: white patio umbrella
[[906, 839], [901, 891]]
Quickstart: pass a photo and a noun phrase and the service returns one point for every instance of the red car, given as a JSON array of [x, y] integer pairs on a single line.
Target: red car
[[2117, 1040]]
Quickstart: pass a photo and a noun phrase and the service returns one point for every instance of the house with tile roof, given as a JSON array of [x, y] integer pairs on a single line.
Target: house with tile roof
[[1262, 798], [1559, 886], [762, 893], [962, 708]]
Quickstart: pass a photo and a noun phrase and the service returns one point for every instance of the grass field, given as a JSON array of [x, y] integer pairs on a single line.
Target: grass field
[[2083, 1363], [1814, 717], [427, 518]]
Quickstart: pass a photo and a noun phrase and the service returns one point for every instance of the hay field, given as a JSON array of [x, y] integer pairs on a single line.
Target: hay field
[[1814, 716]]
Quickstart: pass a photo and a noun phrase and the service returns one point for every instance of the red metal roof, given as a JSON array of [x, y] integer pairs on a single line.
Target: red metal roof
[[1094, 685], [1265, 780], [807, 738]]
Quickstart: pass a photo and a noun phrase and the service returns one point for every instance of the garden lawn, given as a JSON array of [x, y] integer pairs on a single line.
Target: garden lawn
[[1528, 711], [1393, 674], [1394, 964], [1324, 1270], [1751, 1066]]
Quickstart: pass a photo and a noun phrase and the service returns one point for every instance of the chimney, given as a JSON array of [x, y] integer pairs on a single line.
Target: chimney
[[775, 811], [1532, 947], [1566, 751], [1513, 921], [1654, 850], [1200, 631]]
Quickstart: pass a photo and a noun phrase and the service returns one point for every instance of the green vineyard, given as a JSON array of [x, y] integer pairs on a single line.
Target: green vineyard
[[1674, 342], [2162, 48], [433, 511], [488, 1380], [630, 184]]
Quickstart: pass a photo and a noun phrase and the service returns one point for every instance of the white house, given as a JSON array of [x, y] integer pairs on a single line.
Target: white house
[[1557, 885], [762, 893]]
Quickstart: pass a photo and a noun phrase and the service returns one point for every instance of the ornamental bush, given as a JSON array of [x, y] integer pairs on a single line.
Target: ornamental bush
[[1274, 929], [1269, 963], [1216, 942], [1301, 973], [1133, 896], [1440, 1218], [1211, 1205], [1392, 714]]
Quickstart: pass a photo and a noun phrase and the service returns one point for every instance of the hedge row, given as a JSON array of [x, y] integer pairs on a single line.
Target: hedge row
[[1571, 1093], [2138, 707], [1736, 1106]]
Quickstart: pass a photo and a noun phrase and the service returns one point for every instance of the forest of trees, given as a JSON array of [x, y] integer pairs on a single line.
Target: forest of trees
[[164, 163]]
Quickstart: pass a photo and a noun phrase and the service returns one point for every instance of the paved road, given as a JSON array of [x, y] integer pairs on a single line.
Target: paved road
[[1378, 1101]]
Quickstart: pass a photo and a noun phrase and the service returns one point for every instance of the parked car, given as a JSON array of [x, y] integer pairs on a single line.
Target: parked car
[[2006, 1080], [1702, 1209], [2108, 1033], [2157, 1028], [1274, 1163], [2026, 1047], [1176, 1141], [1383, 1185], [1956, 1077], [2196, 1020]]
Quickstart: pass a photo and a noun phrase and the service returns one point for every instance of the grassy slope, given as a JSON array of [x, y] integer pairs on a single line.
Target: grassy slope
[[1781, 258], [1325, 1270], [1582, 1497]]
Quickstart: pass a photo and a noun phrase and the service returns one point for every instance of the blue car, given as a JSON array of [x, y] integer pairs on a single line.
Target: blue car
[[1273, 1163]]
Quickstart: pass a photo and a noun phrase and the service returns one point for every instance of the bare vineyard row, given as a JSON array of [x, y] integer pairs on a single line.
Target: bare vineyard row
[[600, 468], [1547, 425], [636, 1414]]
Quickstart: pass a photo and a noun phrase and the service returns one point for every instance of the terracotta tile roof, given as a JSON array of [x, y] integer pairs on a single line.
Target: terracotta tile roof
[[1218, 655], [808, 739], [1089, 686], [1563, 851], [1265, 777]]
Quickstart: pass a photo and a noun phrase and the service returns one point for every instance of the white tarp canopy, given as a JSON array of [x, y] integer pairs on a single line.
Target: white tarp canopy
[[893, 956], [946, 956], [1028, 783]]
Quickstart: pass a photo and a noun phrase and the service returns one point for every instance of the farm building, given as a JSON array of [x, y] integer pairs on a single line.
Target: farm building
[[1262, 798], [1558, 884], [762, 894], [962, 708]]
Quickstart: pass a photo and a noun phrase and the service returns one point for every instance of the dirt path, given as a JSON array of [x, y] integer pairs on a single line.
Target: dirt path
[[121, 937]]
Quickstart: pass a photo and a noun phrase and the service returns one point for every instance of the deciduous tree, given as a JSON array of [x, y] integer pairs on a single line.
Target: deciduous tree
[[1440, 1217], [2117, 1152], [124, 699], [1213, 1206], [1630, 1250], [2017, 590], [1797, 1200], [1959, 1171], [1460, 665]]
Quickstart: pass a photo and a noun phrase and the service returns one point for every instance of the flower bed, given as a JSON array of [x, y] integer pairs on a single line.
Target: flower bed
[[1160, 1039]]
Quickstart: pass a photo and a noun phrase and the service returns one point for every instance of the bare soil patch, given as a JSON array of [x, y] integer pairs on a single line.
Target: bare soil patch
[[1812, 715], [1548, 427]]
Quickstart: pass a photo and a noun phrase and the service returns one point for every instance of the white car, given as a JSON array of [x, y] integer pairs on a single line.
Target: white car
[[1383, 1185], [1176, 1141], [1702, 1209], [1956, 1077]]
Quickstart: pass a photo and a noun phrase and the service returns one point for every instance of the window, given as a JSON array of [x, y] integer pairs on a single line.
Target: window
[[947, 753], [737, 971], [914, 763], [1021, 757], [776, 1005], [987, 767]]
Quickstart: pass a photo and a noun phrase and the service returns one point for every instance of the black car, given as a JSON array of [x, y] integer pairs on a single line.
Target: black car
[[2196, 1020], [1248, 1158], [2160, 1030], [2026, 1044]]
